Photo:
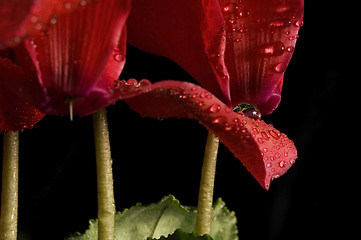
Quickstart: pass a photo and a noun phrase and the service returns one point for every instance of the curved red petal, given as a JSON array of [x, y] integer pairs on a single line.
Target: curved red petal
[[71, 57], [266, 153], [15, 114], [189, 33], [19, 19], [261, 37]]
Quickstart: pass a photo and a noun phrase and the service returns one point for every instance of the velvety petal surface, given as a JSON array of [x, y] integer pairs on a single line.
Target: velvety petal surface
[[266, 153], [79, 54], [21, 18], [191, 33], [261, 37], [15, 114]]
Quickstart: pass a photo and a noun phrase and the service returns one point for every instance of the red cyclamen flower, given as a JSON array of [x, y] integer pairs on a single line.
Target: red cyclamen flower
[[237, 49], [77, 59]]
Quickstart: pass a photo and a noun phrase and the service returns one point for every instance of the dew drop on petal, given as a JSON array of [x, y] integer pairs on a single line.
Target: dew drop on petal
[[274, 49], [282, 164], [275, 134], [280, 67], [144, 83], [118, 57], [215, 108], [248, 110]]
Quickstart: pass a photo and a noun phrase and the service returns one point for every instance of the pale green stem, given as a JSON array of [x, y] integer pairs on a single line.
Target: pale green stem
[[106, 205], [205, 197], [10, 183]]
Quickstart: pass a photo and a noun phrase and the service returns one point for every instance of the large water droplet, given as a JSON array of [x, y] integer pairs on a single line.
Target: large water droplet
[[248, 110], [215, 108], [275, 134]]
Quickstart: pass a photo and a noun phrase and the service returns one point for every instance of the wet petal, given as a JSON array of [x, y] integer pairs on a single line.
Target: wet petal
[[15, 114], [19, 19], [261, 37], [71, 57], [266, 153], [188, 32]]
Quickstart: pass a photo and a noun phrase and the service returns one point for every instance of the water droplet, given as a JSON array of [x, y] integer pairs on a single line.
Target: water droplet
[[243, 13], [201, 104], [275, 49], [299, 23], [282, 164], [260, 140], [265, 136], [144, 83], [290, 49], [275, 134], [280, 67], [118, 57], [269, 165], [248, 110], [215, 108], [231, 8], [227, 127], [217, 120]]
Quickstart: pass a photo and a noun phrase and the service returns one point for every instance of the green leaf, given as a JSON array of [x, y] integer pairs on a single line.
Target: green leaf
[[179, 234], [163, 218]]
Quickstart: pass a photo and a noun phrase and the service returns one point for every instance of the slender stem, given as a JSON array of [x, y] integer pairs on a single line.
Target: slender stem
[[205, 198], [10, 183], [106, 205]]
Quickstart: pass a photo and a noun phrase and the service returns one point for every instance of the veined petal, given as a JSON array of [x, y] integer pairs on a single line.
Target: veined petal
[[21, 18], [188, 32], [266, 153], [261, 37], [15, 114], [71, 57]]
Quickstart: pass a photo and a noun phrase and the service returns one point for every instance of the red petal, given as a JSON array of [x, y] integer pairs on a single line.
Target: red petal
[[15, 114], [19, 19], [188, 32], [261, 36], [71, 57], [227, 45], [266, 153]]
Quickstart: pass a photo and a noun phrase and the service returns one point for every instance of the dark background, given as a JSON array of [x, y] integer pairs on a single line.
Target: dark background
[[153, 158]]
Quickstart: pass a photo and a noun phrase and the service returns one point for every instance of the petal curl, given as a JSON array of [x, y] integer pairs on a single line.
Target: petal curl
[[72, 57], [19, 19], [264, 151], [189, 33], [15, 114]]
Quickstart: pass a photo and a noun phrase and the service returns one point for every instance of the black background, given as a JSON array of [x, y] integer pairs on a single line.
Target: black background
[[153, 158]]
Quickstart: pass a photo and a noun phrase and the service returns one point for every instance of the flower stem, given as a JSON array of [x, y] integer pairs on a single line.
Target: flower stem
[[106, 205], [10, 183], [205, 198]]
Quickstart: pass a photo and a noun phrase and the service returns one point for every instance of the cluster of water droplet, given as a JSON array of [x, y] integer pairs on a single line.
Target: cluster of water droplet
[[278, 29]]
